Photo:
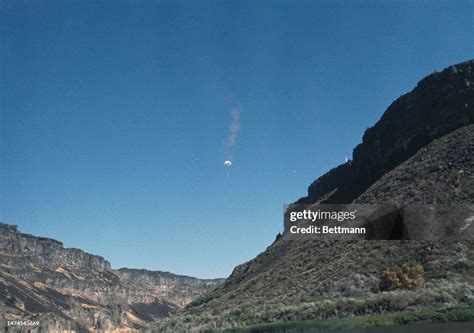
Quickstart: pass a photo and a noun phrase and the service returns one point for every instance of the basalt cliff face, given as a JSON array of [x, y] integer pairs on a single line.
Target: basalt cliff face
[[176, 289], [439, 104], [67, 288], [420, 152]]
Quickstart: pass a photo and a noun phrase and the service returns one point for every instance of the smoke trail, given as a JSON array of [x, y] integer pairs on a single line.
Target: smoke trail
[[234, 127]]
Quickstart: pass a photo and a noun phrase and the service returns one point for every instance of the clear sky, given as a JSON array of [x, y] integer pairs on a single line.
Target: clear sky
[[115, 116]]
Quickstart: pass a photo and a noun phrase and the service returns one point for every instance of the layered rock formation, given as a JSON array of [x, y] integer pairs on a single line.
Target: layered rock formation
[[40, 278], [177, 289]]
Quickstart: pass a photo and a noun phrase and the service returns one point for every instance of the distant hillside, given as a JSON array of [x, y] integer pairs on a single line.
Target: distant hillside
[[314, 279], [41, 279]]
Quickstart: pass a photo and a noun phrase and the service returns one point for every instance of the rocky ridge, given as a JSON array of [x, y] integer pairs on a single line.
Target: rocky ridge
[[439, 104]]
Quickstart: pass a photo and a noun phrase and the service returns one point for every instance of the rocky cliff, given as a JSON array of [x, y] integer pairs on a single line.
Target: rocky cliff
[[177, 289], [40, 278], [48, 251], [439, 104]]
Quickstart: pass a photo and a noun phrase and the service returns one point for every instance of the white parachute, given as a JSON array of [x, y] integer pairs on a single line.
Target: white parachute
[[227, 163]]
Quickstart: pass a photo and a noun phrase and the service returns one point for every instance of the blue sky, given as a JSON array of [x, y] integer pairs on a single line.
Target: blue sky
[[115, 115]]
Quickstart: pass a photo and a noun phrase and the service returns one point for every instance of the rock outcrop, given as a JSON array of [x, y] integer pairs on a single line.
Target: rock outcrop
[[48, 251], [179, 290], [439, 104]]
